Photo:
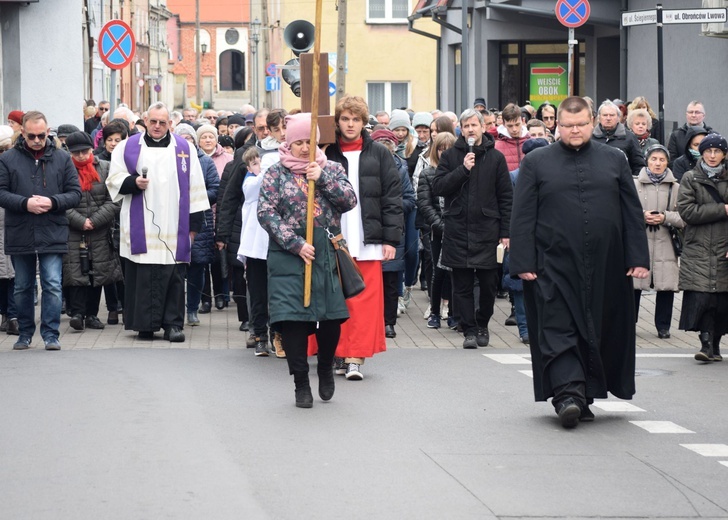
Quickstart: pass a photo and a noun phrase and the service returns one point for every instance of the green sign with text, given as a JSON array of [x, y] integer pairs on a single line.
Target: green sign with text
[[549, 82]]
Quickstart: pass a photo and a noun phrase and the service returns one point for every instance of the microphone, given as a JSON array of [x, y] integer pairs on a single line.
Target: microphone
[[471, 142], [145, 170]]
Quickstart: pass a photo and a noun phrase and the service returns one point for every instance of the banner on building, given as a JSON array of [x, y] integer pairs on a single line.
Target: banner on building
[[549, 82]]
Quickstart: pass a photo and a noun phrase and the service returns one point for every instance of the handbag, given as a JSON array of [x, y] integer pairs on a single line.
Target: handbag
[[350, 277], [675, 235]]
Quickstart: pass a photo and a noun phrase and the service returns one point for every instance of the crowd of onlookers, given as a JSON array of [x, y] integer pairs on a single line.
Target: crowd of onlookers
[[228, 261]]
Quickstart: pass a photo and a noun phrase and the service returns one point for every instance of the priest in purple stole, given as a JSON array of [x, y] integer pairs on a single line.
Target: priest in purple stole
[[163, 197]]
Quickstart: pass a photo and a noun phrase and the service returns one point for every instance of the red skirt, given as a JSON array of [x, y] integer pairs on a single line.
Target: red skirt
[[362, 335]]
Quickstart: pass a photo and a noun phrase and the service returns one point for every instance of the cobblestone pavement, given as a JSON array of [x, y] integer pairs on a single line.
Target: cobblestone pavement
[[219, 330]]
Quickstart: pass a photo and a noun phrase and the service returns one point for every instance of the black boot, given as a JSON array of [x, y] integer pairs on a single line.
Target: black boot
[[304, 398], [716, 349], [511, 319], [326, 380], [706, 351]]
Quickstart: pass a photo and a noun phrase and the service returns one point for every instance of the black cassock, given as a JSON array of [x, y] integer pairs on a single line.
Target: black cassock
[[578, 224]]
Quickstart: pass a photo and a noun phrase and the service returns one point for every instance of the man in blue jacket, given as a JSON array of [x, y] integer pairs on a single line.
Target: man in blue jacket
[[38, 183]]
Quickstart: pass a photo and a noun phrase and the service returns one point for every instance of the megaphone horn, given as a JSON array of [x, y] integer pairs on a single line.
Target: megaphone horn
[[299, 36]]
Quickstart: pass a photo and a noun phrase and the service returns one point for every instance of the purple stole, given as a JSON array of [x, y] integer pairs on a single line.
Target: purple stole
[[137, 230]]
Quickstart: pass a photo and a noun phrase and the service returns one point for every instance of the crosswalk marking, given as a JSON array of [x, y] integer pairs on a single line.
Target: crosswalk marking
[[661, 427], [664, 355], [509, 359], [617, 406], [724, 462], [708, 450], [528, 373]]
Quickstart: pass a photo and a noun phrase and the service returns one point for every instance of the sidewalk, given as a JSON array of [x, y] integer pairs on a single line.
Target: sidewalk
[[219, 330]]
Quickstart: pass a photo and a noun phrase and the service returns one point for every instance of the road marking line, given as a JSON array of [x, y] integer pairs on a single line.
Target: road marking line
[[661, 427], [724, 462], [708, 450], [509, 359], [617, 406], [528, 373]]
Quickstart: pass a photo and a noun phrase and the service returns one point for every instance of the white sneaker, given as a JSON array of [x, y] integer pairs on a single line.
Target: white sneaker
[[401, 307], [353, 372], [426, 315]]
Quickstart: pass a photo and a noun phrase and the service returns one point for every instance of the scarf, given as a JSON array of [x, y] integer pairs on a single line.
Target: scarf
[[298, 165], [711, 171], [654, 177], [642, 138], [401, 149], [87, 174], [695, 154], [354, 146]]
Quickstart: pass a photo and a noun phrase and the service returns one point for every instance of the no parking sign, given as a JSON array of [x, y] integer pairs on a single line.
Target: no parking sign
[[117, 44]]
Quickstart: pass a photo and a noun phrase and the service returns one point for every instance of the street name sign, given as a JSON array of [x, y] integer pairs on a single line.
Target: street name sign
[[117, 44], [645, 17], [675, 16]]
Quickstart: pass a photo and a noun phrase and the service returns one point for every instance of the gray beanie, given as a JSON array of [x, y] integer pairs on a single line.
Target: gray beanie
[[6, 136], [204, 129], [399, 118], [422, 119], [185, 129]]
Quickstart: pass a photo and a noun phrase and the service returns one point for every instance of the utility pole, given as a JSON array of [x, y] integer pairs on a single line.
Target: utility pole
[[198, 88], [265, 19], [341, 52]]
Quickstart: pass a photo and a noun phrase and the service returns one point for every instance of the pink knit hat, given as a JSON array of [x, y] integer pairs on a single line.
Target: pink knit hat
[[298, 128]]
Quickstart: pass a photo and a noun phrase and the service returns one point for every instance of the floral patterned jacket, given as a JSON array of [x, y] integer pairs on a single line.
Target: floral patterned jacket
[[282, 203]]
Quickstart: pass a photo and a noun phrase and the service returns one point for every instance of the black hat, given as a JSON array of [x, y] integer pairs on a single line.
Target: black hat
[[713, 141], [66, 130], [78, 142], [236, 119], [479, 101], [531, 144], [225, 140]]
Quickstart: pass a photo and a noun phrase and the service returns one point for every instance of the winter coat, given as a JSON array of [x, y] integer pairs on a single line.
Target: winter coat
[[97, 206], [678, 140], [511, 147], [220, 157], [703, 265], [625, 141], [429, 206], [408, 205], [22, 176], [281, 212], [268, 150], [646, 143], [380, 192], [6, 265], [228, 222], [253, 238], [477, 212], [664, 267], [203, 248], [686, 161]]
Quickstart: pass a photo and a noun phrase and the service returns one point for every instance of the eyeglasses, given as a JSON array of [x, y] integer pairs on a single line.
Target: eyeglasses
[[155, 122], [102, 109], [713, 151], [695, 112], [577, 125], [33, 137], [81, 153], [549, 118]]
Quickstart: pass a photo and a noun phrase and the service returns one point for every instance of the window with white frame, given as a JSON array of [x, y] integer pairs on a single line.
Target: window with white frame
[[387, 11], [387, 95]]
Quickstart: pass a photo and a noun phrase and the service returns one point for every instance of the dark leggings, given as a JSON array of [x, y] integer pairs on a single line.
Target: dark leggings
[[295, 341]]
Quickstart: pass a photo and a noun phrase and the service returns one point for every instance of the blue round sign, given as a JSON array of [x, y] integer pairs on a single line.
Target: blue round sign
[[117, 44], [573, 13]]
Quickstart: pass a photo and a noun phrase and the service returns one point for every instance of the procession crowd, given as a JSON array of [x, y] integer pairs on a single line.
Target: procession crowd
[[569, 211]]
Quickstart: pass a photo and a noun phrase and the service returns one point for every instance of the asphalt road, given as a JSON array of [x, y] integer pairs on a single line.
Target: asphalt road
[[429, 433]]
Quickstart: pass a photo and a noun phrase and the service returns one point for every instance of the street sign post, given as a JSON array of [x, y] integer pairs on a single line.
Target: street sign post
[[272, 83], [270, 69], [712, 15], [644, 17], [117, 47], [572, 14]]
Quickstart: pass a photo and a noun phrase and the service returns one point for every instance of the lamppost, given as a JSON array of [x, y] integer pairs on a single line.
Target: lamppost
[[198, 88], [255, 38]]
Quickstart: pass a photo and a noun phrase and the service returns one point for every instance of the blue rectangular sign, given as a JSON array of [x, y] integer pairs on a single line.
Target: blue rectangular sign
[[272, 83]]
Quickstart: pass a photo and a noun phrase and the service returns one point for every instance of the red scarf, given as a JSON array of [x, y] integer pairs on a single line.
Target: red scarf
[[353, 146], [87, 174]]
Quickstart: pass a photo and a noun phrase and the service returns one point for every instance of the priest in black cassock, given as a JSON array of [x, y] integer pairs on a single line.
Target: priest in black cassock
[[577, 238]]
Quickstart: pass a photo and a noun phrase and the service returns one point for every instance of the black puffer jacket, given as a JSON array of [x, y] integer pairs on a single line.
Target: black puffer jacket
[[95, 205], [478, 202], [678, 139], [686, 161], [625, 141], [380, 191], [229, 216], [22, 176], [427, 204]]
